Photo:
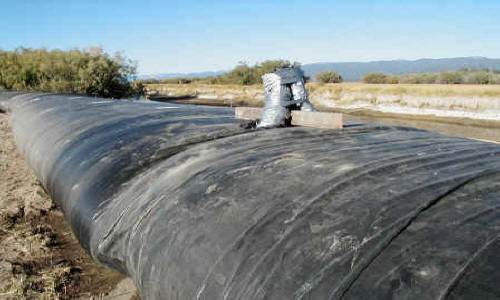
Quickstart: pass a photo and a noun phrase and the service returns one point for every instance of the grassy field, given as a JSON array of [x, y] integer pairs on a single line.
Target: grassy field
[[411, 89], [431, 96], [464, 90]]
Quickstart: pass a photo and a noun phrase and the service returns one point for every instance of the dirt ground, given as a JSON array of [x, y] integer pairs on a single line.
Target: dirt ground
[[39, 255]]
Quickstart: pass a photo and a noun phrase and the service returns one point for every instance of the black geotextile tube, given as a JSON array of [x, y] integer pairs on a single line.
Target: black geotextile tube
[[191, 205]]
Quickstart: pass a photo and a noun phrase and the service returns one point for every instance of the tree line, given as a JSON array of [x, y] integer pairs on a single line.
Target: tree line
[[89, 71], [96, 73], [464, 76], [243, 74]]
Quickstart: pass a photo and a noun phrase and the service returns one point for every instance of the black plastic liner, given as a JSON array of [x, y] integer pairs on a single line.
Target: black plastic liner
[[192, 205]]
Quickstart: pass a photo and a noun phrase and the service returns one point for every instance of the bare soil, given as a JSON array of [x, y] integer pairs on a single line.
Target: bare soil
[[39, 255]]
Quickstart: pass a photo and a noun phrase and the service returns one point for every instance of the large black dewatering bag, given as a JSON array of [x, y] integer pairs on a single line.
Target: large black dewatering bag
[[192, 205]]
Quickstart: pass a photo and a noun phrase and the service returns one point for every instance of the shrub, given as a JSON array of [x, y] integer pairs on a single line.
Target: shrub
[[450, 78], [328, 77], [242, 74], [92, 72], [379, 78], [425, 78], [245, 75], [463, 76], [481, 77]]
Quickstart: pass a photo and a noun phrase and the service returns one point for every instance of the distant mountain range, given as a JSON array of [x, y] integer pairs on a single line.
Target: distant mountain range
[[353, 71]]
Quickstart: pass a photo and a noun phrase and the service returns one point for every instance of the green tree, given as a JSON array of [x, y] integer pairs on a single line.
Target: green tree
[[328, 77], [450, 78], [379, 78], [242, 74], [91, 71], [245, 75]]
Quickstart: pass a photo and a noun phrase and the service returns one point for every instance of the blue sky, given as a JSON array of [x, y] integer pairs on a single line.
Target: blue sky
[[190, 36]]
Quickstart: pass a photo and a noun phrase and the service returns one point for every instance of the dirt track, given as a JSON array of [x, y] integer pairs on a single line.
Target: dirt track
[[39, 255]]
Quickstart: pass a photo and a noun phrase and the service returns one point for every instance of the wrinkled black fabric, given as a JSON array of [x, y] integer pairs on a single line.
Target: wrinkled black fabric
[[192, 205]]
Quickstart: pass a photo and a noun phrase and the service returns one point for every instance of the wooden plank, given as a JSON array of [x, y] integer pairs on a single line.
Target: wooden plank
[[299, 118], [317, 119], [247, 113]]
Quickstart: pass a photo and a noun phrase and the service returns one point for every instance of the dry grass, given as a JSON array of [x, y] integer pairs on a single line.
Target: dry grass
[[411, 89], [39, 256], [338, 88], [433, 96], [252, 95]]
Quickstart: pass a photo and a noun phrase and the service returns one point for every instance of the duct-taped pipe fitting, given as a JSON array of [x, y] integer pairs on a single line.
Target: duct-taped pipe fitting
[[285, 90], [275, 111], [300, 92]]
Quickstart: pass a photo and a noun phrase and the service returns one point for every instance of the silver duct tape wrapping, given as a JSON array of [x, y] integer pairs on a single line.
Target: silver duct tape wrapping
[[283, 89], [277, 94], [299, 92]]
